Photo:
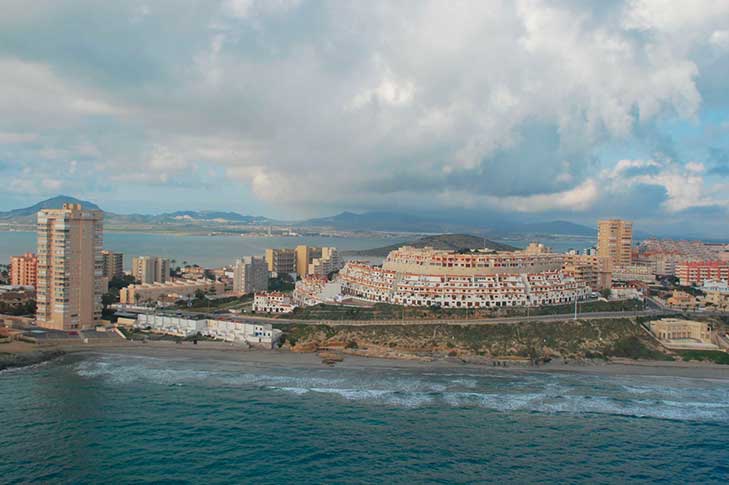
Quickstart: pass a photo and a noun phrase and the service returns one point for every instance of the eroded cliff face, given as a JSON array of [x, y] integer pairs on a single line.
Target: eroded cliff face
[[528, 341]]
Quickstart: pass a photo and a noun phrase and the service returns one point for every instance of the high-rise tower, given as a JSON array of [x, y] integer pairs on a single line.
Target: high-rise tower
[[70, 279]]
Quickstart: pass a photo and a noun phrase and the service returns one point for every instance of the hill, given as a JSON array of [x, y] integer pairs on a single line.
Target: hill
[[52, 203], [453, 223], [211, 216], [452, 242], [380, 221]]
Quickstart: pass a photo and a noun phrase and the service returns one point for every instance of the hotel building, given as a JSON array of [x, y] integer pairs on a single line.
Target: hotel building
[[615, 241], [69, 267], [481, 279], [281, 261], [150, 269], [24, 270], [112, 264]]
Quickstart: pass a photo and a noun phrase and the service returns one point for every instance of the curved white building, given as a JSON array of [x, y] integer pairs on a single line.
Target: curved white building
[[481, 279]]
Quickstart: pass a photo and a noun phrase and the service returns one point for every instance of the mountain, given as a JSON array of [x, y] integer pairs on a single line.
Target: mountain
[[52, 203], [213, 216], [453, 242], [391, 221], [379, 221]]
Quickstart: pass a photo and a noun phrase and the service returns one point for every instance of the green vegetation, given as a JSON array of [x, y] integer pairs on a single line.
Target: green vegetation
[[619, 337], [715, 356], [386, 311], [283, 283], [18, 309], [204, 305], [635, 347]]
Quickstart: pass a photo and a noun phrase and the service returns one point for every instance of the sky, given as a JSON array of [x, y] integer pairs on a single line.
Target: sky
[[293, 108]]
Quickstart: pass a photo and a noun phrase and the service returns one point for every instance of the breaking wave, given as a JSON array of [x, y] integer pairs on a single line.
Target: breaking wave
[[635, 396]]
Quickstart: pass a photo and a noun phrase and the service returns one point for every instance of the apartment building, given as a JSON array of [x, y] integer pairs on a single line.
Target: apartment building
[[112, 264], [24, 270], [250, 275], [150, 269], [70, 281], [147, 293], [255, 334], [695, 273], [329, 262], [304, 257], [281, 261], [634, 272], [273, 302], [425, 277], [591, 270], [615, 240]]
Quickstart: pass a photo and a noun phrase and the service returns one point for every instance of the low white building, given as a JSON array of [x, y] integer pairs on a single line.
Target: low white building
[[262, 334], [273, 302]]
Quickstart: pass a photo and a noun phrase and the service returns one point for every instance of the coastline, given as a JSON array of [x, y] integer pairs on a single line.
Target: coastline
[[26, 355]]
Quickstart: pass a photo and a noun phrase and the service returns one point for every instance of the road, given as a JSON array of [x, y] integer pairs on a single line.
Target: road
[[479, 321]]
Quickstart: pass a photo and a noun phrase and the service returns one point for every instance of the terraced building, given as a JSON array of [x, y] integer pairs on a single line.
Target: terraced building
[[474, 279]]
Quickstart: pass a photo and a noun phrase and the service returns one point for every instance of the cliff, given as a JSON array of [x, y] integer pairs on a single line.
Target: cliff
[[527, 341]]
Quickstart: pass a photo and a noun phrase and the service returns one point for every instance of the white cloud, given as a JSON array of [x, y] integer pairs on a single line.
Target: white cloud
[[367, 104]]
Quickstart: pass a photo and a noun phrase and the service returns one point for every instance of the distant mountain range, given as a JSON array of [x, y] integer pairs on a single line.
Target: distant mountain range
[[192, 216], [391, 221], [455, 222], [453, 242], [27, 214], [52, 203]]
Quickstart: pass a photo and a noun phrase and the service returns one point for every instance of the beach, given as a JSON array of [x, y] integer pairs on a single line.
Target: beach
[[235, 353]]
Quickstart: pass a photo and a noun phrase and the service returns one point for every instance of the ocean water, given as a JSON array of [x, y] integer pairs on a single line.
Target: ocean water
[[218, 251], [105, 418], [207, 251]]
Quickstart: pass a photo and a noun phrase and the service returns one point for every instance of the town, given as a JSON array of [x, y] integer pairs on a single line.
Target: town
[[79, 290]]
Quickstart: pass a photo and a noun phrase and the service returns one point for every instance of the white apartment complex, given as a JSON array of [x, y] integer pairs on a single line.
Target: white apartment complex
[[273, 302], [425, 277], [257, 334]]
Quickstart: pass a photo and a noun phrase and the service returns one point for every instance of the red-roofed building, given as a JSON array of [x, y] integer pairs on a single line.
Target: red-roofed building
[[694, 273]]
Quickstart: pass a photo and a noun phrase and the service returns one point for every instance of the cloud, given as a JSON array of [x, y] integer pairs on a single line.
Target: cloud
[[684, 185], [317, 106]]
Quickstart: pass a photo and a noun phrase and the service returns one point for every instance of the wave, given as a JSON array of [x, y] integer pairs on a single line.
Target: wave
[[661, 398]]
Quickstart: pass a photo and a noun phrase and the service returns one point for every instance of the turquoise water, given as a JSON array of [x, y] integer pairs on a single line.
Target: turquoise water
[[206, 251], [129, 419]]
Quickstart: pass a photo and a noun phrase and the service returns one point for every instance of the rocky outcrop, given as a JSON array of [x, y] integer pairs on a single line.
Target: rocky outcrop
[[525, 342], [10, 360]]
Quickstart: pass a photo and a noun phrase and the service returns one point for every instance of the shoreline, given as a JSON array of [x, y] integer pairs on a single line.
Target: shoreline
[[24, 355]]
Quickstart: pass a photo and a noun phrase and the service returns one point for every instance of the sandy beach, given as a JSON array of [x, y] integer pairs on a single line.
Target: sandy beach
[[234, 353]]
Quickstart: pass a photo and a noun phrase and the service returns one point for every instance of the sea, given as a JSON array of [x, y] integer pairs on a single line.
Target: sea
[[206, 251], [121, 418], [217, 251]]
